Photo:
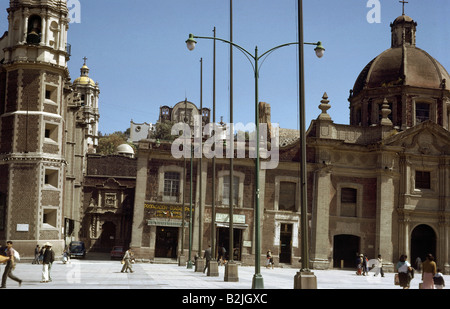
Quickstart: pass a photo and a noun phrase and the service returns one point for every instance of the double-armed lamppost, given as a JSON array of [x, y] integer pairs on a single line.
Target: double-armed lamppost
[[258, 282]]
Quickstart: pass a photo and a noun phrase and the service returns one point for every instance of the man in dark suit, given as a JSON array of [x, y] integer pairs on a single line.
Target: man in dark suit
[[207, 256]]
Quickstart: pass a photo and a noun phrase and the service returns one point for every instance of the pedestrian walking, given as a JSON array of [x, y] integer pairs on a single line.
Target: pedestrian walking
[[404, 270], [365, 265], [47, 261], [418, 263], [41, 254], [380, 266], [269, 260], [65, 257], [359, 264], [221, 257], [10, 265], [438, 279], [428, 272], [207, 256], [36, 255], [126, 261]]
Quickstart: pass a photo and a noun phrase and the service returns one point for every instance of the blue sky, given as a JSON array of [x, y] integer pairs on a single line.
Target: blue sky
[[136, 51]]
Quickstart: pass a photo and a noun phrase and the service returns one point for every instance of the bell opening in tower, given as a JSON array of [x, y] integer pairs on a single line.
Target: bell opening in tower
[[34, 30]]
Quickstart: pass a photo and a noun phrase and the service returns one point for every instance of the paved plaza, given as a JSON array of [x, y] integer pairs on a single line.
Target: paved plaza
[[101, 282], [106, 274]]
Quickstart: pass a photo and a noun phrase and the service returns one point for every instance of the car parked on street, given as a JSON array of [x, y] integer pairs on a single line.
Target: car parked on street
[[117, 252], [77, 249]]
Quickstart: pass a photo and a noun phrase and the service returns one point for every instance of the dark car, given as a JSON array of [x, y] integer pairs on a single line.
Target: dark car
[[117, 252], [77, 249]]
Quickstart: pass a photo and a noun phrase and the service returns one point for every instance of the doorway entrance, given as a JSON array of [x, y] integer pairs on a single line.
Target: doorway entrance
[[286, 243], [107, 239], [423, 241], [345, 248], [166, 242], [223, 240]]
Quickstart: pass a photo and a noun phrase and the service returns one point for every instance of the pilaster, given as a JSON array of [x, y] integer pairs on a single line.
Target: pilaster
[[320, 243], [139, 199]]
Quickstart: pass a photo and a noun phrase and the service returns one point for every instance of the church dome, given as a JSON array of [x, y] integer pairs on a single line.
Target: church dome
[[403, 18], [84, 79], [125, 149], [403, 64], [393, 67]]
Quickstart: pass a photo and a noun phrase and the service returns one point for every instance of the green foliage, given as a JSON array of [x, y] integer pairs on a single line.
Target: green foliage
[[107, 144], [163, 131]]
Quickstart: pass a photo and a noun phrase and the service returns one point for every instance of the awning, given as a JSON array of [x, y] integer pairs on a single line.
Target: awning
[[166, 222], [235, 226]]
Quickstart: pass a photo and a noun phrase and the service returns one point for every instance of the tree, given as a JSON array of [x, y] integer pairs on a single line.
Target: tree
[[163, 131], [108, 144]]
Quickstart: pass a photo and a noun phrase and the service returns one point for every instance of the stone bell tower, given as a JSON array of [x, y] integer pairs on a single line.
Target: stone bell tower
[[35, 100], [88, 92]]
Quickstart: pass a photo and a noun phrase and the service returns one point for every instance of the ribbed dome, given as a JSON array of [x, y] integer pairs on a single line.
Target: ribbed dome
[[84, 79], [415, 68]]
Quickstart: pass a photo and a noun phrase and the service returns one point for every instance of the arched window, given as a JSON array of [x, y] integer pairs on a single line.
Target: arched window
[[34, 30]]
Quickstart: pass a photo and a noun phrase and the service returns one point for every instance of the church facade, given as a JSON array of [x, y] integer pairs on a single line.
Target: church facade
[[379, 185]]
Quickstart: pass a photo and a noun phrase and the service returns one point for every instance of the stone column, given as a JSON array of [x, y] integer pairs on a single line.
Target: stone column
[[25, 26], [320, 238], [384, 217], [44, 30], [139, 200]]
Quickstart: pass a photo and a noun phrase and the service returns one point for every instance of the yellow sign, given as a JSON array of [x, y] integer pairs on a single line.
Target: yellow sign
[[167, 211]]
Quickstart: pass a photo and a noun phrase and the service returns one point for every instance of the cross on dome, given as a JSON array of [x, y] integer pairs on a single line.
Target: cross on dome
[[403, 3]]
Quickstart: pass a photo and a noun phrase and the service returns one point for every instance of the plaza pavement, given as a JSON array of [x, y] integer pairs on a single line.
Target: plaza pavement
[[106, 274]]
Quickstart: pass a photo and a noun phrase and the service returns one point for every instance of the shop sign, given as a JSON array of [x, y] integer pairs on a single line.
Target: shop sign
[[225, 218], [167, 211]]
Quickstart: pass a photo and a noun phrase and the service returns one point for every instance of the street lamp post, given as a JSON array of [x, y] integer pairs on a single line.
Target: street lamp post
[[200, 262], [189, 262], [213, 268], [257, 282], [304, 279]]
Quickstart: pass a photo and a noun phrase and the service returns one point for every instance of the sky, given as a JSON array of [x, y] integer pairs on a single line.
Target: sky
[[137, 53]]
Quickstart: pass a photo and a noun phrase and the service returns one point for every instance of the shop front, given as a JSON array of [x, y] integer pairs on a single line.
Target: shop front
[[165, 224], [223, 235]]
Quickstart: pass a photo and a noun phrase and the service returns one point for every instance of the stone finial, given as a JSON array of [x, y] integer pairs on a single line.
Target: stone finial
[[385, 112], [324, 106]]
